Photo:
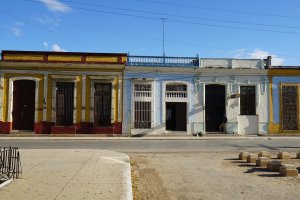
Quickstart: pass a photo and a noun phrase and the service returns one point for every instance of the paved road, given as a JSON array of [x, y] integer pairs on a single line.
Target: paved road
[[155, 145]]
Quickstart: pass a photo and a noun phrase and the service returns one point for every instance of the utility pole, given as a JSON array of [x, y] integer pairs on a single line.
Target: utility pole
[[163, 22]]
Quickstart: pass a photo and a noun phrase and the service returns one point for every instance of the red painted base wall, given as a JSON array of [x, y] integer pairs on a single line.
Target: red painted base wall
[[43, 127], [5, 127], [79, 128]]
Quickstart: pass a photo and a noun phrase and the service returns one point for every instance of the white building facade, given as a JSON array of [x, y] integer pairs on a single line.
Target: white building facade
[[171, 95]]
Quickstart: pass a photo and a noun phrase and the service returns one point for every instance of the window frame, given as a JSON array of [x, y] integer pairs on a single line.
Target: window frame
[[250, 107], [142, 98]]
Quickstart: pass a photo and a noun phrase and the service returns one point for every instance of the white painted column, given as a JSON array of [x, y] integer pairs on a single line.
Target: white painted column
[[36, 101], [83, 104], [45, 97], [1, 95], [75, 100], [10, 100]]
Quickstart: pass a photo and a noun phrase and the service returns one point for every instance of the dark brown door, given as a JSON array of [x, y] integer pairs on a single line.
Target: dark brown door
[[23, 104], [214, 107], [176, 116], [102, 104], [64, 103], [289, 108]]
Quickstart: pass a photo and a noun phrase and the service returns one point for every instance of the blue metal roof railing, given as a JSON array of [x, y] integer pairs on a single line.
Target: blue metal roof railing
[[163, 61]]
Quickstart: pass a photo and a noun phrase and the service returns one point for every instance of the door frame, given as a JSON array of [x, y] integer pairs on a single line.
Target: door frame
[[24, 87], [183, 100], [204, 101], [186, 109], [10, 96]]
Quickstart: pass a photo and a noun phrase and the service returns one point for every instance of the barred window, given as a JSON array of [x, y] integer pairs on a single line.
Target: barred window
[[142, 114], [142, 105], [102, 104], [64, 103], [247, 100]]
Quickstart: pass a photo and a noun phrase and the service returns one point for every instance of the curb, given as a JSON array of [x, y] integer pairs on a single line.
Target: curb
[[5, 183], [148, 138]]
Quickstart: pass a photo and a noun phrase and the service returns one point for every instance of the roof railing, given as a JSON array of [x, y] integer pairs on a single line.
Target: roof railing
[[163, 61]]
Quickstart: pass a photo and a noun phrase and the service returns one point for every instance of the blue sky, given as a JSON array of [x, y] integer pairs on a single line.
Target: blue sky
[[210, 28]]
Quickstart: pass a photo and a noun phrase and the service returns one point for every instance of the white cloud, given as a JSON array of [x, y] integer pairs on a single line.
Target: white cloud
[[56, 6], [56, 47], [45, 44], [16, 31], [259, 54], [53, 21]]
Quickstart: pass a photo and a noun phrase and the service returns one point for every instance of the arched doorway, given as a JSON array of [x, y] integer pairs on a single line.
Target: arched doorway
[[214, 106], [23, 104]]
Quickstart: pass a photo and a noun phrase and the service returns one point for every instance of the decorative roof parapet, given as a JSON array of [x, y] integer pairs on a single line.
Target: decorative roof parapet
[[195, 62], [63, 57], [163, 61]]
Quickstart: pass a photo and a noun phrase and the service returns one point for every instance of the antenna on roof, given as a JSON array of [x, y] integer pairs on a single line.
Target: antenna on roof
[[163, 22]]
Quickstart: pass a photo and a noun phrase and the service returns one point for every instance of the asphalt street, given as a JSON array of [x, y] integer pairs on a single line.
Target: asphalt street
[[162, 145]]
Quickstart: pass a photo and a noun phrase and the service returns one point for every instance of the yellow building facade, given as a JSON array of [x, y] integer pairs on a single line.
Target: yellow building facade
[[61, 92], [284, 100]]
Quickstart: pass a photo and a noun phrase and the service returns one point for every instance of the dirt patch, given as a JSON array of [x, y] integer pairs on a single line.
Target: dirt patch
[[207, 176], [146, 183]]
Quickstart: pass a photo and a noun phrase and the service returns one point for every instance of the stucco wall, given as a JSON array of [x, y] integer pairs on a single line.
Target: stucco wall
[[196, 97], [159, 80], [232, 85]]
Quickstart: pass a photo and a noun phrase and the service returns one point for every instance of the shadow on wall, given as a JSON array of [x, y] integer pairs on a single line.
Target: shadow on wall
[[145, 132]]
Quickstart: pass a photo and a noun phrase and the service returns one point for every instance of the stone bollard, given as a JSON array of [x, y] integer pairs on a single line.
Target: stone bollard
[[243, 155], [283, 155], [252, 158], [288, 170], [298, 155], [274, 165], [262, 161], [264, 154]]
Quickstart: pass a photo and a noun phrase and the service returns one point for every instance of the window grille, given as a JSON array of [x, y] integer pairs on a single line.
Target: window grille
[[142, 90], [247, 100], [102, 104], [142, 106], [142, 114], [289, 107], [64, 103], [176, 91]]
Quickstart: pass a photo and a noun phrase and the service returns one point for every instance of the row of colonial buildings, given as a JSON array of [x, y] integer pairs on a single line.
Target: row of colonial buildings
[[104, 93]]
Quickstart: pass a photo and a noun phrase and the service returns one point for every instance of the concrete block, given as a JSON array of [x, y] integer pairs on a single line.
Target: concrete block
[[274, 165], [298, 155], [262, 161], [264, 154], [252, 158], [288, 170], [283, 155], [243, 155]]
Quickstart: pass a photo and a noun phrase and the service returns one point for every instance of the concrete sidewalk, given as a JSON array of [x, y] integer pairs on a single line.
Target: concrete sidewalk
[[71, 174]]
